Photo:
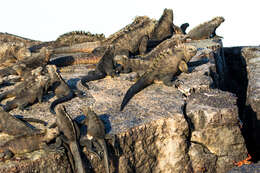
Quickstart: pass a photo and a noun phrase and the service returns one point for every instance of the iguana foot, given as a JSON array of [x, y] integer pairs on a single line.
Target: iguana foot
[[90, 148], [6, 155]]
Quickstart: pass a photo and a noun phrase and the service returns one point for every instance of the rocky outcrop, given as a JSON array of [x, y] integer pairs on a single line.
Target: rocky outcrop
[[190, 127]]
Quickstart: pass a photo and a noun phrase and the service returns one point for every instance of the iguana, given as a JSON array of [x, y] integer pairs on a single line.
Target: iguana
[[74, 37], [107, 65], [104, 67], [7, 37], [206, 30], [12, 125], [27, 64], [141, 63], [15, 126], [184, 26], [27, 143], [133, 38], [71, 136], [69, 39], [25, 93], [96, 130], [163, 67], [11, 52], [61, 89]]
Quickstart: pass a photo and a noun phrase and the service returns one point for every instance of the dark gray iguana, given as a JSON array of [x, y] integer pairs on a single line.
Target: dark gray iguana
[[7, 37], [11, 52], [206, 30], [107, 66], [132, 39], [15, 126], [142, 63], [26, 92], [71, 135], [60, 88], [96, 130], [163, 67], [28, 142], [27, 64]]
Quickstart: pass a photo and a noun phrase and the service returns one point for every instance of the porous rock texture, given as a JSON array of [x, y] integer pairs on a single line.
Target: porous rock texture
[[189, 127]]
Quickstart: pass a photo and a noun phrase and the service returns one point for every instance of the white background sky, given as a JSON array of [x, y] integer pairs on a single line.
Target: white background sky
[[47, 19]]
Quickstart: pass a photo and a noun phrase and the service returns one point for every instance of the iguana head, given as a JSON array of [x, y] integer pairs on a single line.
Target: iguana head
[[50, 134], [218, 20], [188, 50]]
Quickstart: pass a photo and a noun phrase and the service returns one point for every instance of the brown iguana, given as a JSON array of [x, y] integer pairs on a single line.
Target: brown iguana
[[141, 63], [27, 92], [14, 125], [206, 30], [27, 64], [6, 37], [107, 65], [28, 142], [61, 89], [69, 39], [71, 135], [133, 38], [74, 37], [96, 130], [163, 67], [11, 52]]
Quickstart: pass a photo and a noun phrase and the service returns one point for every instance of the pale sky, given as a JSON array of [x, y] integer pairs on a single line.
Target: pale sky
[[45, 20]]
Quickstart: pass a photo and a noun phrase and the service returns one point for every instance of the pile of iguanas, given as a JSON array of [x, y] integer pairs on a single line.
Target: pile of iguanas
[[155, 49]]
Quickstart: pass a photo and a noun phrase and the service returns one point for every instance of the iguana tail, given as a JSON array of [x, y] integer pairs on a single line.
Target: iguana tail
[[184, 26], [87, 47], [92, 75], [60, 100], [104, 145], [145, 80], [78, 163], [75, 60]]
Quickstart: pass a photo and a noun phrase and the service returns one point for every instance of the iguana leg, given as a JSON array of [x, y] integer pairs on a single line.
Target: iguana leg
[[89, 146], [92, 75], [167, 80], [143, 45], [9, 106], [6, 155], [7, 94]]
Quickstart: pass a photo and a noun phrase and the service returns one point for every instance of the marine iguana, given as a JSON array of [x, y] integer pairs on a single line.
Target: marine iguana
[[11, 52], [184, 26], [141, 63], [25, 93], [104, 67], [163, 67], [27, 64], [206, 30], [107, 64], [68, 39], [74, 37], [61, 89], [71, 136], [28, 142], [7, 37], [12, 125], [133, 38], [96, 130]]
